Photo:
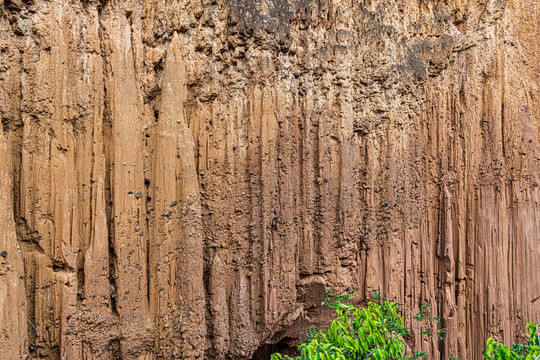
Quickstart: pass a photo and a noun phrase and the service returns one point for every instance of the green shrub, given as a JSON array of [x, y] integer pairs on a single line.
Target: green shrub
[[378, 331], [497, 350], [375, 332]]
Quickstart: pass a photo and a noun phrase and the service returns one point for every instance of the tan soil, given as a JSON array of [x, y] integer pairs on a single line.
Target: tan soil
[[183, 179]]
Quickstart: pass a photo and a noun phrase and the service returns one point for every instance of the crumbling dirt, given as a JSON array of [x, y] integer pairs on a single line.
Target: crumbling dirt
[[183, 179]]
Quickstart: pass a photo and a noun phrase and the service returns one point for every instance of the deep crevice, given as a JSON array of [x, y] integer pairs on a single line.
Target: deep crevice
[[285, 346], [109, 191]]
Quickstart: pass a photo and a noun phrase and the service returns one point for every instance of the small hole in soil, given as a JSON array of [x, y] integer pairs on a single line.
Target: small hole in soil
[[287, 346]]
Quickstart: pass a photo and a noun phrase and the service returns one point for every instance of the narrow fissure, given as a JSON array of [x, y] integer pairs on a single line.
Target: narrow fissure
[[109, 163], [148, 205], [318, 216]]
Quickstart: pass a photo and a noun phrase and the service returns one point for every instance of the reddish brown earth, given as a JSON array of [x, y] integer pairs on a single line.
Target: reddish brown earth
[[183, 179]]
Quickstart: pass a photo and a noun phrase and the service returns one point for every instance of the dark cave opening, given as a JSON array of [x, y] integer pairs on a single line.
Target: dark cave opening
[[286, 346]]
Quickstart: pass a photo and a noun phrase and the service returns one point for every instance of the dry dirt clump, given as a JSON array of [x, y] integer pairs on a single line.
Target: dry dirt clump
[[183, 179]]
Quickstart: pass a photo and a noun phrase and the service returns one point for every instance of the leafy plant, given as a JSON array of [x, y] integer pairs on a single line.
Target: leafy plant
[[378, 331], [311, 333], [334, 300], [497, 350], [375, 332]]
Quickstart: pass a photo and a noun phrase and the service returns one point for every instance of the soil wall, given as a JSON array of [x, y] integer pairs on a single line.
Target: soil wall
[[183, 179]]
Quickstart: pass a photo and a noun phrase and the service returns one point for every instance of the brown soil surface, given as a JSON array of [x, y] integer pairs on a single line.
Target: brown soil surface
[[183, 179]]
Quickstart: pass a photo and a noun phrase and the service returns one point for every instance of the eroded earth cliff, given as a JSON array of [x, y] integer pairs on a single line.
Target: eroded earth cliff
[[183, 179]]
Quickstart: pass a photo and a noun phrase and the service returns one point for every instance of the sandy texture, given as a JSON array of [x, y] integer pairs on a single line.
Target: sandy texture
[[183, 179]]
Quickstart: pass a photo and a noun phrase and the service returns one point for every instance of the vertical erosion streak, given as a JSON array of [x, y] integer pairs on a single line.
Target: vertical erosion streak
[[348, 202], [447, 301], [178, 252], [218, 308], [306, 253], [270, 201], [96, 264], [13, 339], [254, 164], [127, 183]]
